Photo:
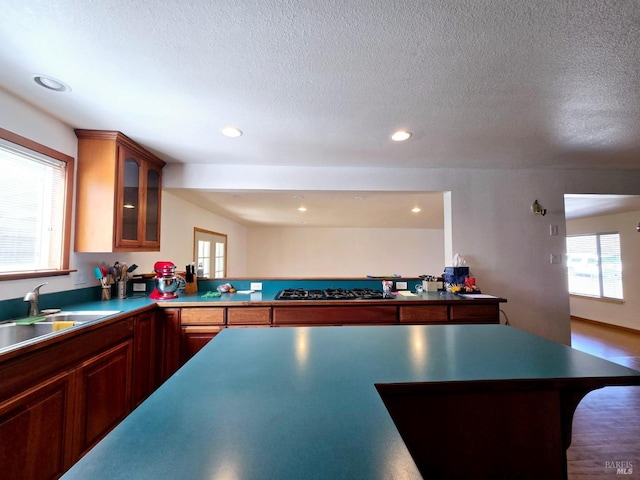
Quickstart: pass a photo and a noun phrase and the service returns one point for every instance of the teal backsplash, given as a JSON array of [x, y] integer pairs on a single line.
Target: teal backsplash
[[17, 307]]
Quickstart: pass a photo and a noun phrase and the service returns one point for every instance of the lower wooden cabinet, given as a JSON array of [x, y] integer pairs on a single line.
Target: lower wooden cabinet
[[103, 386], [193, 338], [248, 316], [335, 315], [145, 339], [36, 430], [484, 313], [58, 401], [168, 338], [417, 314], [202, 316]]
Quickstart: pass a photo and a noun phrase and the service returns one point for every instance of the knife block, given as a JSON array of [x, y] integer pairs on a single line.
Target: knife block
[[191, 287]]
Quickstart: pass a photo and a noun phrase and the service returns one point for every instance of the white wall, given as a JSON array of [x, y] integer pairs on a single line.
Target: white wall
[[622, 314], [492, 226], [178, 217], [344, 252]]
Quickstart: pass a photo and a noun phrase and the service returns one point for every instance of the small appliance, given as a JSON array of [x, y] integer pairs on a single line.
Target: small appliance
[[166, 281]]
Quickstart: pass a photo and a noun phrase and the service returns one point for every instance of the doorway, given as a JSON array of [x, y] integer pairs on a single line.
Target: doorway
[[210, 253]]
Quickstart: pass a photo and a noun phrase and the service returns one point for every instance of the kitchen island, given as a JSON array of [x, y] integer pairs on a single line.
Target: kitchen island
[[472, 401]]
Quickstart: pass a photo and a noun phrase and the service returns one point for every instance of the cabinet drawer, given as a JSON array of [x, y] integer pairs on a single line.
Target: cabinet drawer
[[347, 315], [202, 316], [474, 313], [424, 314], [249, 316]]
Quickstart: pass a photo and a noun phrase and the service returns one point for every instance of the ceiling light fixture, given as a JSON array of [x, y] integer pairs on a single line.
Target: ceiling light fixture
[[51, 83], [416, 209], [231, 132], [302, 209], [401, 136]]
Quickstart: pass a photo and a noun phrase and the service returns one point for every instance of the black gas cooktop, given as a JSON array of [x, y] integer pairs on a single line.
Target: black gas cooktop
[[330, 294]]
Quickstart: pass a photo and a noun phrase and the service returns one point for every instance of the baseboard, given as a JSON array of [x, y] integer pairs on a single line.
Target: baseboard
[[603, 324]]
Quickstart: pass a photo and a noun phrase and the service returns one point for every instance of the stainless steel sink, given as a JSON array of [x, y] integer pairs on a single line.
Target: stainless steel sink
[[12, 334], [79, 316]]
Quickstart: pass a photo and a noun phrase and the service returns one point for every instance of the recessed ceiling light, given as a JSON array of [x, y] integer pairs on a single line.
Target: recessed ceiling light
[[400, 136], [358, 198], [302, 209], [297, 197], [231, 132], [51, 83], [416, 209]]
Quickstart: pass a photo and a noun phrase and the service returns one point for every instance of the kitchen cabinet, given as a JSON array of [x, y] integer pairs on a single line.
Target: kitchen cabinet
[[203, 316], [335, 315], [482, 313], [198, 326], [144, 356], [118, 194], [35, 430], [168, 334], [193, 338], [239, 316], [57, 401], [103, 390], [424, 314]]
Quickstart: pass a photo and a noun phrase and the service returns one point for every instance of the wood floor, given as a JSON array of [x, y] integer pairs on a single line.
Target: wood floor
[[606, 425]]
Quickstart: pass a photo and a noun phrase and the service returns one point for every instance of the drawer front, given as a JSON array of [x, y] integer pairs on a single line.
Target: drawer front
[[202, 316], [249, 316], [474, 313], [338, 315], [424, 314]]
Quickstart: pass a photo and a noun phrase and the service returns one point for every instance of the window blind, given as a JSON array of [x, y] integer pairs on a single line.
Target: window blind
[[32, 192], [594, 265]]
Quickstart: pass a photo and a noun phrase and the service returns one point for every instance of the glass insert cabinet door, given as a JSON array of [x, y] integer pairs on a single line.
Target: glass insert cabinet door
[[131, 200], [152, 223], [138, 211]]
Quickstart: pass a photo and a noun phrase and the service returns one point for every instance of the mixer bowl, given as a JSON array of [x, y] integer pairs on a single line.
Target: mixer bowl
[[167, 285]]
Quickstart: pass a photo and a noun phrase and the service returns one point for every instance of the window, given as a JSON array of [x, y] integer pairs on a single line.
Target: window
[[594, 265], [35, 209], [207, 243]]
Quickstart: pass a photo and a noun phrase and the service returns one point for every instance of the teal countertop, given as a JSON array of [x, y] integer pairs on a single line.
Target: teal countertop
[[265, 297], [268, 295], [301, 403]]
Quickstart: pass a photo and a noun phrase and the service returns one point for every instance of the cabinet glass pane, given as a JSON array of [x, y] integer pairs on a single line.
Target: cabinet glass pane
[[153, 194], [130, 204]]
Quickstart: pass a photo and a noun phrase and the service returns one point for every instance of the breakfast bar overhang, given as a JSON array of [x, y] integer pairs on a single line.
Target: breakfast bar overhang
[[439, 401]]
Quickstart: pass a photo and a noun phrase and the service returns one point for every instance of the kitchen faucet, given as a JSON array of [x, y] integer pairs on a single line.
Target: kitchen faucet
[[32, 297]]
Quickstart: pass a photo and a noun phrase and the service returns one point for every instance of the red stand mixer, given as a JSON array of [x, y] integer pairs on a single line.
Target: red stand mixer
[[166, 281]]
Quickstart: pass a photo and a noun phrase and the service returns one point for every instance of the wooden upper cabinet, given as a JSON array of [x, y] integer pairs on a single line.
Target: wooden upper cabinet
[[118, 200]]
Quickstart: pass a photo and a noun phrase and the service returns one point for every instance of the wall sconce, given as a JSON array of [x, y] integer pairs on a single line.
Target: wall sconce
[[638, 227], [537, 209]]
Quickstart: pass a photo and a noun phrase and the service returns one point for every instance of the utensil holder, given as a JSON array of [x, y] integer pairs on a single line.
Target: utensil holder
[[106, 292], [121, 289]]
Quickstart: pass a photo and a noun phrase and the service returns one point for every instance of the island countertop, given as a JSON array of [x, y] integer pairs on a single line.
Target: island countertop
[[292, 403]]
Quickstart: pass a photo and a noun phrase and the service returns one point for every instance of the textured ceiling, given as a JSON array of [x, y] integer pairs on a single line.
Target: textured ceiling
[[480, 83]]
